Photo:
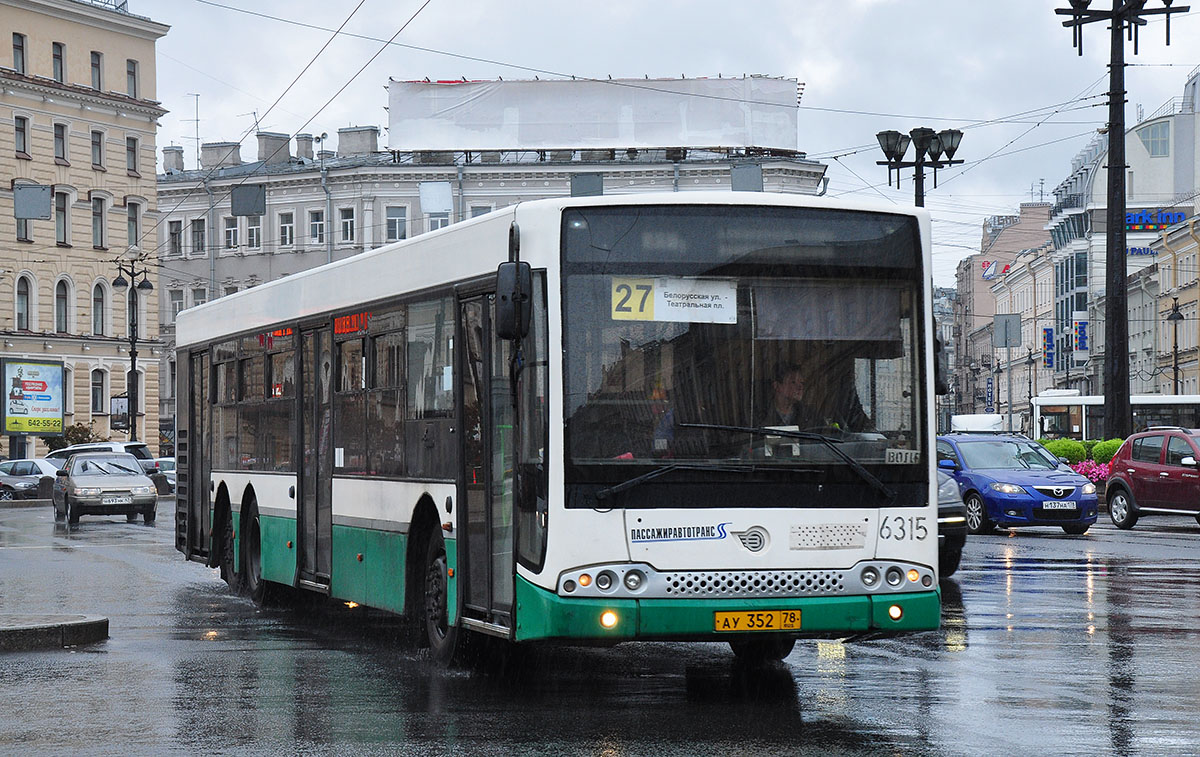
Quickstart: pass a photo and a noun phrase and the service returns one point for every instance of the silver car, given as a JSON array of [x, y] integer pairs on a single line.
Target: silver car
[[103, 483]]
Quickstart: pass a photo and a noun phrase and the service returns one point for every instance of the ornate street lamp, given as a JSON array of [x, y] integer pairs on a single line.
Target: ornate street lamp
[[1175, 317], [929, 146], [133, 256]]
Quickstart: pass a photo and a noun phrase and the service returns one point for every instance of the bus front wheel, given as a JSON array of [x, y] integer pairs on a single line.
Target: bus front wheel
[[442, 637], [760, 651]]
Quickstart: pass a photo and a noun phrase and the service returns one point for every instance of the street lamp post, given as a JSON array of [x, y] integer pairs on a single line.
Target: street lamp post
[[1175, 317], [1029, 365], [929, 147], [132, 256], [974, 384]]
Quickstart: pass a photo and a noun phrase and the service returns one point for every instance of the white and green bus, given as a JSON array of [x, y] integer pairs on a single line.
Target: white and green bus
[[555, 422]]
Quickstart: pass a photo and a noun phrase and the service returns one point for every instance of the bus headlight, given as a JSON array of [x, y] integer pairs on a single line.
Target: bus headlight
[[894, 576], [1089, 489], [608, 618], [870, 577], [634, 580], [604, 580]]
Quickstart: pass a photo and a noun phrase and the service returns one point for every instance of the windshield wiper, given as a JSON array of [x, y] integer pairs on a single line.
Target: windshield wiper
[[830, 444], [608, 491]]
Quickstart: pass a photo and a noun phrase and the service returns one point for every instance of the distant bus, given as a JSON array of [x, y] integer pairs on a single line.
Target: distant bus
[[1066, 414], [548, 423]]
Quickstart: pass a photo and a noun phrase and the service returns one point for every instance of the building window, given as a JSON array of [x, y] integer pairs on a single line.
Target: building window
[[97, 149], [1157, 139], [62, 224], [131, 156], [97, 391], [316, 226], [231, 233], [19, 53], [23, 311], [175, 238], [57, 53], [438, 221], [60, 143], [176, 303], [133, 211], [24, 233], [480, 210], [98, 222], [199, 296], [199, 243], [97, 78], [230, 289], [347, 217], [287, 230], [99, 308], [62, 299], [397, 224], [21, 135], [172, 377], [254, 232], [131, 78]]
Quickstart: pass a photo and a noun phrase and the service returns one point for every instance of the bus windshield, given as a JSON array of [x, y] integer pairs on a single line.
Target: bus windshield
[[691, 332]]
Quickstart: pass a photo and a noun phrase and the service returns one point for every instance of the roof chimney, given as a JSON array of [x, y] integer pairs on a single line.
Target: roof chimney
[[220, 154], [173, 159], [358, 140], [274, 148], [304, 145]]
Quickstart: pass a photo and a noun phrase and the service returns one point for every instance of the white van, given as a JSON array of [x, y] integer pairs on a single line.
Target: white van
[[138, 449]]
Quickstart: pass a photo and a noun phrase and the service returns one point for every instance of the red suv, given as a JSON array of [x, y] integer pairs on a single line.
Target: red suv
[[1155, 473]]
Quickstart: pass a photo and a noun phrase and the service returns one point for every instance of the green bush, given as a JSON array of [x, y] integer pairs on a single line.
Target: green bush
[[1072, 450], [1088, 444], [1103, 451], [76, 434], [1043, 441]]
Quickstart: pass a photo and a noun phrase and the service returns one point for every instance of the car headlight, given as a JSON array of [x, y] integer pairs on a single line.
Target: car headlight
[[1007, 488], [141, 490], [1089, 488], [87, 491], [948, 491]]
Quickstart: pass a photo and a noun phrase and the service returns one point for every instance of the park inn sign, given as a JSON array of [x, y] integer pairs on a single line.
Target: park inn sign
[[1153, 220]]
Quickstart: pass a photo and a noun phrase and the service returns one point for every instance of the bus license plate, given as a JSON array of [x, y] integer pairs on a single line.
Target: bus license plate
[[116, 499], [1065, 505], [759, 620]]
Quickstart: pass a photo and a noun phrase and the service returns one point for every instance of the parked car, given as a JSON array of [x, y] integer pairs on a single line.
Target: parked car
[[1155, 473], [103, 483], [1010, 480], [952, 525], [31, 466], [166, 466], [138, 449], [18, 487]]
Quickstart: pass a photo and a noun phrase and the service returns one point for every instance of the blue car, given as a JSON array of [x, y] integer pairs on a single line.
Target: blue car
[[1010, 480]]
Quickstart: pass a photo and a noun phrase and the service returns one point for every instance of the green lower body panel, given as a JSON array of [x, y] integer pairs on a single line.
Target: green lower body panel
[[368, 567], [542, 614], [278, 538]]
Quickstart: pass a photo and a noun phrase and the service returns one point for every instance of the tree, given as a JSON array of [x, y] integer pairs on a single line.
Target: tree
[[79, 433]]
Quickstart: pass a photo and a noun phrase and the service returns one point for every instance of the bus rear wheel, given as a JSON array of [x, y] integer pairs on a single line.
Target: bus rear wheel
[[442, 637], [228, 567], [253, 584], [759, 651]]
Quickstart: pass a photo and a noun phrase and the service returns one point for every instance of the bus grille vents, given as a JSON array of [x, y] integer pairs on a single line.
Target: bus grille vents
[[755, 583]]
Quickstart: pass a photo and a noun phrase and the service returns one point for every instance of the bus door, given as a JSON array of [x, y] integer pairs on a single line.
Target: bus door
[[193, 450], [485, 549], [314, 505]]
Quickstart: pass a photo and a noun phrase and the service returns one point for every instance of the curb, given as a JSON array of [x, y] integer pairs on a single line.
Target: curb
[[25, 503], [24, 632]]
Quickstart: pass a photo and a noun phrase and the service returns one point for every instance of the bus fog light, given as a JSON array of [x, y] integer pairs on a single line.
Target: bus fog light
[[895, 612], [913, 575], [894, 576], [870, 577], [604, 580], [568, 585], [608, 618], [634, 580], [585, 580]]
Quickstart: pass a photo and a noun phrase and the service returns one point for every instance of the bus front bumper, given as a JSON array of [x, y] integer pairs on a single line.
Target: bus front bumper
[[542, 614]]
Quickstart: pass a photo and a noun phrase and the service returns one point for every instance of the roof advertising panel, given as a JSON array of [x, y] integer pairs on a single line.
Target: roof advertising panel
[[755, 111], [34, 397]]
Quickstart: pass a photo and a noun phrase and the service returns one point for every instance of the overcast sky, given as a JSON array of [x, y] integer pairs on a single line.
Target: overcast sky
[[1005, 73]]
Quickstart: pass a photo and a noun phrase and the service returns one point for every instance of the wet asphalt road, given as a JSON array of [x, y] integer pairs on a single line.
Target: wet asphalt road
[[1050, 645]]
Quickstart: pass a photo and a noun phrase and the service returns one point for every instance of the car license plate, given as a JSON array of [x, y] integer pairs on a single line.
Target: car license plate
[[116, 499], [1064, 505], [758, 620]]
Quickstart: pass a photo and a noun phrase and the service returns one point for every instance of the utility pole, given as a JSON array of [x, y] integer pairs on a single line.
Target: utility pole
[[1124, 18]]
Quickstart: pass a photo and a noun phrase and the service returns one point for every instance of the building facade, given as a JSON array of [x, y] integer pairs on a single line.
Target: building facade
[[78, 114], [329, 205]]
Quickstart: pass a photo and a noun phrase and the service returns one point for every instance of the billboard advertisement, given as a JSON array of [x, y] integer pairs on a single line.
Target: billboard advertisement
[[33, 402]]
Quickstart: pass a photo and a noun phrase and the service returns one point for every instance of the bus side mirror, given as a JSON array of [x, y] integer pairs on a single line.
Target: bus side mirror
[[514, 305], [940, 386]]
